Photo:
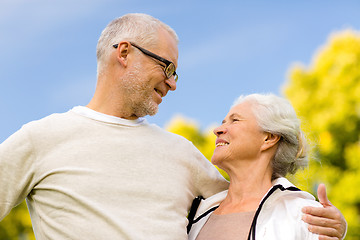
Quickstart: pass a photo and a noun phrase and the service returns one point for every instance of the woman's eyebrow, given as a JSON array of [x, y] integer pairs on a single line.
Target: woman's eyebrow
[[232, 116], [236, 115]]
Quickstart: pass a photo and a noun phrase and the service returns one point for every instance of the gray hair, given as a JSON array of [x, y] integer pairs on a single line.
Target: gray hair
[[277, 116], [137, 27]]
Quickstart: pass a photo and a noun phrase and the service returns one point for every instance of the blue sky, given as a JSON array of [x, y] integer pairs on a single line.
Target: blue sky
[[227, 48]]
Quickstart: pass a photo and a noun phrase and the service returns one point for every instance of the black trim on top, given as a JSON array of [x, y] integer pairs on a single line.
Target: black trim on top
[[194, 206], [205, 214], [272, 190]]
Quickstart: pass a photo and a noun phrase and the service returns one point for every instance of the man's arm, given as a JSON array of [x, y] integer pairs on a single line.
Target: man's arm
[[328, 221], [17, 171]]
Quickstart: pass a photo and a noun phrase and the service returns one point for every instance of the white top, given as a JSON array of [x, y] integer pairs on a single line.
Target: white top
[[279, 218], [87, 175]]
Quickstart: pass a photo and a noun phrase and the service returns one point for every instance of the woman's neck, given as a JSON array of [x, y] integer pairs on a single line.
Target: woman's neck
[[247, 187]]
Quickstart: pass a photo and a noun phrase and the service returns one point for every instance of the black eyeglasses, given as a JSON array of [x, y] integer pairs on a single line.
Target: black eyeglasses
[[169, 69]]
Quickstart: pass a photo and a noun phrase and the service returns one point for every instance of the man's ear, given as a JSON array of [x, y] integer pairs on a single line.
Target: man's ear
[[270, 140], [122, 52]]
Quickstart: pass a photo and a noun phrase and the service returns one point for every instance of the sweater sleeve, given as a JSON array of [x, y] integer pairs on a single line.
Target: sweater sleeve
[[209, 181], [16, 170]]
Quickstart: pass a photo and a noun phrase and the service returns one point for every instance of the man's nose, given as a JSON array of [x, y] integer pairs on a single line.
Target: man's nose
[[171, 83]]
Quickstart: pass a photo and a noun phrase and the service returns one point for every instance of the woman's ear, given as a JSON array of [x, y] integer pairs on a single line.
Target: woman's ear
[[123, 53], [270, 140]]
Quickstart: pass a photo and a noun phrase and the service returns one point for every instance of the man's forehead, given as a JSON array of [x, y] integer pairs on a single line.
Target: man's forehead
[[168, 43]]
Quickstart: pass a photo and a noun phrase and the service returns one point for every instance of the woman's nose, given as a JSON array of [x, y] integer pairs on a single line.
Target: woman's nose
[[219, 130]]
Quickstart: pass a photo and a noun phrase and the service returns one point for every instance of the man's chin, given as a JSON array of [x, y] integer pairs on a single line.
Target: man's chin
[[153, 112], [148, 111]]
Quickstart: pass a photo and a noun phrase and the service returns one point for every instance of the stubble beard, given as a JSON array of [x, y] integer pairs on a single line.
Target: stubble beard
[[139, 93]]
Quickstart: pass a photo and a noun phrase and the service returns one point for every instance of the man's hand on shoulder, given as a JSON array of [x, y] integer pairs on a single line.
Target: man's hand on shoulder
[[328, 221]]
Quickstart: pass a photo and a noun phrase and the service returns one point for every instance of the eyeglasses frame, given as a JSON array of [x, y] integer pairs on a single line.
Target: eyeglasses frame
[[167, 63]]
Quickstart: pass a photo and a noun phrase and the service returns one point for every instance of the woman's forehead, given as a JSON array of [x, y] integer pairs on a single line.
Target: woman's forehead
[[243, 108]]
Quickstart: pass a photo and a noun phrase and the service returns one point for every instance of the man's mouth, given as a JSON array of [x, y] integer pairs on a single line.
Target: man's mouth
[[159, 92]]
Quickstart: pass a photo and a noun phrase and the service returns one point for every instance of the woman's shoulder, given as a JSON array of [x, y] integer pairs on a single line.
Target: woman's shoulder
[[281, 215], [289, 193], [287, 200]]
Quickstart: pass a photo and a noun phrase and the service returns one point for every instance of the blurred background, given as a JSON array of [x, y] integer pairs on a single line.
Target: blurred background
[[308, 52]]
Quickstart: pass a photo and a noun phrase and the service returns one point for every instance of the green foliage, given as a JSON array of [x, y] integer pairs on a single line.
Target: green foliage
[[326, 96], [203, 140], [17, 225]]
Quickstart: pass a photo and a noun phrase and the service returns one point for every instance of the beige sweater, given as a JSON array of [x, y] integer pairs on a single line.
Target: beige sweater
[[87, 175]]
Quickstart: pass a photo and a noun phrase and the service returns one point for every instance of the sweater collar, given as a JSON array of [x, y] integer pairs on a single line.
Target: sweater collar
[[92, 114]]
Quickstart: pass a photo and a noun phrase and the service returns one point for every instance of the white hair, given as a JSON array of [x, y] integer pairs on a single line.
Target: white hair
[[137, 27], [277, 116]]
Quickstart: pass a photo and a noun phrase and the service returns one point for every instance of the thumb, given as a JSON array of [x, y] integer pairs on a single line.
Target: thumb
[[321, 192]]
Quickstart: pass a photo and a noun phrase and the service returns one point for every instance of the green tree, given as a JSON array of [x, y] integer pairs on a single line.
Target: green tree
[[326, 96], [17, 225], [203, 140]]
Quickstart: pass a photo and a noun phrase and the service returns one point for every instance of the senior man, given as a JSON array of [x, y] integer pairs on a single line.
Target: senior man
[[102, 171]]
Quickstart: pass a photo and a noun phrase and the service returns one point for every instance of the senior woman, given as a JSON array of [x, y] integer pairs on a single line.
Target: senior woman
[[258, 144]]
